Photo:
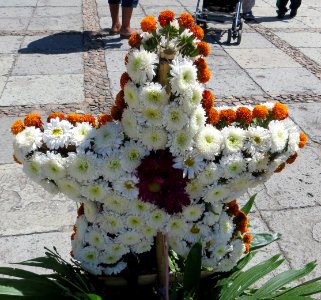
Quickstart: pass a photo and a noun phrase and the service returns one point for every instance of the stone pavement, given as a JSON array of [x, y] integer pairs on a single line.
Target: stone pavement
[[56, 55]]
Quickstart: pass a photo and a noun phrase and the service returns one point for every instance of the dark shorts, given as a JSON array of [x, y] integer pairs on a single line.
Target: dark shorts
[[124, 3]]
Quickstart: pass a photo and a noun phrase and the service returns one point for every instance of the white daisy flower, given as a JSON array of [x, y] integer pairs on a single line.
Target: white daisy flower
[[29, 139], [154, 94], [117, 249], [130, 124], [57, 133], [234, 139], [226, 226], [209, 142], [129, 238], [279, 136], [259, 162], [197, 119], [116, 203], [238, 250], [180, 247], [95, 238], [225, 265], [259, 140], [80, 134], [111, 223], [88, 254], [109, 258], [239, 185], [131, 155], [92, 268], [211, 173], [146, 36], [154, 138], [186, 33], [82, 226], [82, 166], [191, 164], [111, 166], [139, 207], [153, 115], [180, 142], [148, 231], [131, 95], [193, 212], [216, 194], [33, 168], [94, 191], [176, 226], [49, 186], [193, 235], [106, 137], [142, 246], [293, 142], [174, 118], [233, 165], [69, 187], [126, 186], [54, 166], [192, 98], [194, 188], [157, 219], [115, 269], [134, 222], [211, 218], [141, 66], [91, 211]]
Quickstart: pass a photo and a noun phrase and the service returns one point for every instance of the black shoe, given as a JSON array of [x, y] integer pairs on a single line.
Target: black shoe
[[281, 16], [248, 16], [293, 13]]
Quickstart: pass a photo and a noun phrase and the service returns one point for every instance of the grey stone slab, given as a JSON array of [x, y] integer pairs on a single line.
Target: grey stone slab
[[6, 150], [301, 39], [10, 44], [272, 22], [308, 116], [16, 12], [73, 22], [36, 64], [286, 81], [300, 240], [59, 3], [14, 3], [105, 22], [3, 81], [13, 24], [233, 83], [166, 4], [154, 10], [264, 3], [263, 11], [57, 11], [312, 21], [311, 3], [43, 89], [251, 40], [27, 208], [114, 42], [262, 58], [57, 43], [114, 78], [6, 61], [219, 59], [115, 61], [313, 53]]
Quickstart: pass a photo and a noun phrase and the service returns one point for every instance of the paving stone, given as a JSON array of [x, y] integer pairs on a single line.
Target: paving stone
[[252, 40], [6, 150], [264, 3], [43, 89], [311, 3], [271, 22], [154, 10], [222, 61], [313, 53], [59, 3], [310, 21], [264, 11], [35, 64], [262, 58], [3, 81], [15, 24], [70, 23], [307, 115], [115, 61], [27, 208], [10, 44], [114, 78], [286, 81], [115, 43], [15, 12], [57, 11], [301, 39], [14, 3], [6, 61]]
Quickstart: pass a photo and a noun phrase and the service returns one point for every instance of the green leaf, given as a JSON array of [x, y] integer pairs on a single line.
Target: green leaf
[[260, 240], [245, 279], [192, 271], [281, 280], [94, 297], [19, 273], [247, 207]]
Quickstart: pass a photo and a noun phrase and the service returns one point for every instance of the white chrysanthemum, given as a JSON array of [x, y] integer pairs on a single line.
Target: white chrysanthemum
[[111, 223], [238, 249], [174, 24], [130, 125], [232, 165], [106, 137], [88, 254], [126, 186], [226, 227], [154, 138], [180, 142], [115, 269], [148, 231], [91, 211], [179, 246], [259, 140], [146, 36], [142, 246], [191, 164], [49, 186], [174, 118], [194, 188], [131, 155], [193, 212], [109, 258], [215, 194], [234, 139], [82, 166], [192, 98], [139, 207], [184, 76], [279, 136], [153, 116], [92, 268], [95, 238], [193, 234], [259, 162], [197, 119], [154, 94], [293, 142], [54, 166], [226, 264], [239, 185], [69, 187], [80, 134], [176, 226], [111, 166], [157, 218], [211, 218], [131, 95], [116, 203], [209, 142], [33, 168], [186, 33], [57, 133], [94, 191], [220, 250], [116, 249], [211, 173], [82, 226], [141, 66], [129, 238], [29, 139], [134, 222]]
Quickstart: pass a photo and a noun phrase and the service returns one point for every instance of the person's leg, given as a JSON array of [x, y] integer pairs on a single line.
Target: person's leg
[[114, 11], [247, 10], [295, 4], [281, 7], [127, 10]]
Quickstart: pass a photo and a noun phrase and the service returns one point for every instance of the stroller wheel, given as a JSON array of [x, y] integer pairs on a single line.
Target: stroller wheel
[[229, 36], [239, 37]]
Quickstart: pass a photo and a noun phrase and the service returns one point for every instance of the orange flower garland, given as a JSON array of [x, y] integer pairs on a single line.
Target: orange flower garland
[[213, 116], [90, 119], [33, 120], [120, 100], [243, 114], [116, 113], [292, 158], [233, 208], [124, 78], [148, 24], [134, 40], [186, 20], [17, 127], [55, 115], [260, 111], [207, 100], [74, 118], [279, 168], [165, 17], [303, 140], [228, 115], [198, 32], [203, 48], [280, 111], [104, 118]]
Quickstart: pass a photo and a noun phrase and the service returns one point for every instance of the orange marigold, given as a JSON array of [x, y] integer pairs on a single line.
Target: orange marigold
[[260, 111], [228, 115], [200, 63], [247, 238], [233, 208], [17, 127], [204, 75], [241, 222], [165, 17], [207, 100], [33, 120], [203, 48], [116, 113], [90, 119], [247, 248], [279, 168], [198, 32], [292, 158], [134, 40], [124, 78], [244, 114], [104, 118], [148, 24], [74, 118], [213, 116], [280, 111], [55, 115], [186, 20], [120, 100], [303, 140]]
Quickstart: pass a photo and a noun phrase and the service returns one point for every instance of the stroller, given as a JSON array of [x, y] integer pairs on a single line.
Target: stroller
[[214, 11]]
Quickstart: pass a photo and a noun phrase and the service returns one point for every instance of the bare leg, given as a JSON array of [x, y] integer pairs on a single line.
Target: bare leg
[[126, 16], [114, 11]]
